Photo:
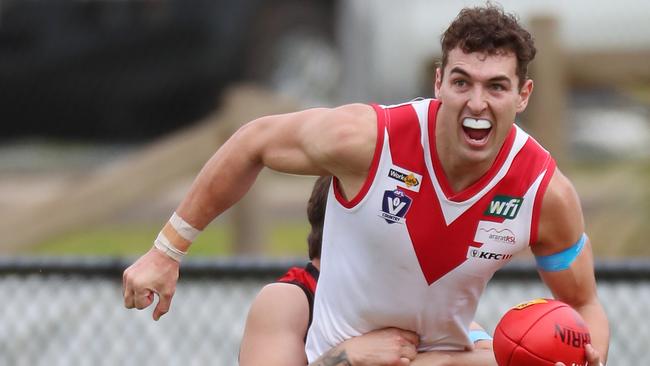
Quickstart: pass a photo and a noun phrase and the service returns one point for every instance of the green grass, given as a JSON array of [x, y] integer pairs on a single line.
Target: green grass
[[288, 239], [285, 239]]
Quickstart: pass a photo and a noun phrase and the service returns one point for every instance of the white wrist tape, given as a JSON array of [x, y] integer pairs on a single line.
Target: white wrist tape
[[187, 231], [184, 230], [163, 244]]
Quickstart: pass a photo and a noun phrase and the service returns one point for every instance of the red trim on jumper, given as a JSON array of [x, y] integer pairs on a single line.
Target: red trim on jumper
[[405, 139], [439, 248], [426, 225], [477, 186], [425, 219], [537, 205], [431, 235], [372, 171], [301, 276], [527, 165]]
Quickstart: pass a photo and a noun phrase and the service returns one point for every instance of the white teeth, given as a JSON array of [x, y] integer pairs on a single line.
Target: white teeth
[[477, 124]]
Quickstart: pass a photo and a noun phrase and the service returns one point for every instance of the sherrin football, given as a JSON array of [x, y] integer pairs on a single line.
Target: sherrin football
[[541, 332]]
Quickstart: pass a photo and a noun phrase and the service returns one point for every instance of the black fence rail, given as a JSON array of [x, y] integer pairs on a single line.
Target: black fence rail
[[69, 311], [625, 270]]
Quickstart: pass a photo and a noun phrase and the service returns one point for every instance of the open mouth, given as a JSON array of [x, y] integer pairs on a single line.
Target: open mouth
[[477, 130]]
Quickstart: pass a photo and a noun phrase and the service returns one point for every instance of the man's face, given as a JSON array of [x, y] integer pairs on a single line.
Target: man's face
[[480, 97]]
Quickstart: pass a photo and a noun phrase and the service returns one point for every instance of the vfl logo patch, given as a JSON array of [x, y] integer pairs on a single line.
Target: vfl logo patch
[[394, 206], [406, 179], [473, 252], [504, 206]]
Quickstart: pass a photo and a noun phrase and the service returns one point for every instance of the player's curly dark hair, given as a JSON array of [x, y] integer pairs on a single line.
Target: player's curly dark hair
[[316, 215], [490, 30]]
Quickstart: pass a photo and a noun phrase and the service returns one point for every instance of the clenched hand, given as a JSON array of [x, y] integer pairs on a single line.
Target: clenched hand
[[153, 273]]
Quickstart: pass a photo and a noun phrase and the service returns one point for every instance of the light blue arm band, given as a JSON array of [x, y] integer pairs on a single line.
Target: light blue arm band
[[562, 260], [476, 335]]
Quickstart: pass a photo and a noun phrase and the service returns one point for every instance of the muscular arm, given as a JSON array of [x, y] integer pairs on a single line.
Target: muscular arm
[[391, 346], [561, 225], [320, 141], [381, 347], [275, 328], [338, 142]]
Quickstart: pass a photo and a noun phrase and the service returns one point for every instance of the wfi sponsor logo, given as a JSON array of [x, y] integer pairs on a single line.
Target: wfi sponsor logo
[[504, 206]]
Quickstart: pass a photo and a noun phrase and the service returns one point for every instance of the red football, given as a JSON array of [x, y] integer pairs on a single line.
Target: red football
[[541, 332]]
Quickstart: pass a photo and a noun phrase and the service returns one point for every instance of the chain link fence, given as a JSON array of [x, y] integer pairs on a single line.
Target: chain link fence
[[70, 311]]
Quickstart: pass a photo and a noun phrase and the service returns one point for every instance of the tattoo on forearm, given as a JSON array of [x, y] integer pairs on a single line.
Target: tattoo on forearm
[[332, 359]]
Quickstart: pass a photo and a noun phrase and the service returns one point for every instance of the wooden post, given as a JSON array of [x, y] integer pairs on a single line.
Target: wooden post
[[546, 116], [248, 227]]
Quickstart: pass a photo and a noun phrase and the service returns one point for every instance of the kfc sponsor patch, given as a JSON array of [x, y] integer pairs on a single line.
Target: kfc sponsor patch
[[477, 253]]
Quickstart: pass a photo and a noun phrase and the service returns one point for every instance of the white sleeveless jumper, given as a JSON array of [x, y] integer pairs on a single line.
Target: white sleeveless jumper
[[407, 252]]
